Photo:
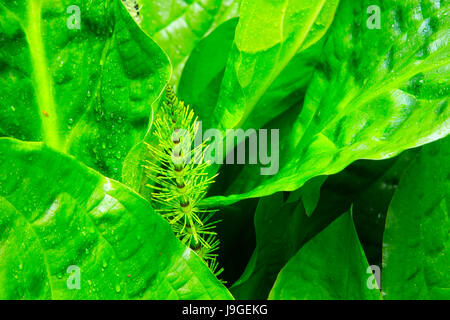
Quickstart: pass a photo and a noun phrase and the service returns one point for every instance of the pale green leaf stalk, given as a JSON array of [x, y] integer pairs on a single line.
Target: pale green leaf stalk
[[179, 179]]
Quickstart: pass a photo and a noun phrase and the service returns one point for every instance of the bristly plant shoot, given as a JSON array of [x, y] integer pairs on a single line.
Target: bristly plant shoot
[[178, 182]]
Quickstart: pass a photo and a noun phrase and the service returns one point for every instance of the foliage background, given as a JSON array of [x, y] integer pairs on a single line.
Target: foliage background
[[364, 156]]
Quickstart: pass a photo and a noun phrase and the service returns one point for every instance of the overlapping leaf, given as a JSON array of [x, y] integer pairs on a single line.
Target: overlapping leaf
[[177, 26], [282, 227], [268, 36], [416, 248], [86, 91], [377, 93], [330, 266], [204, 71], [56, 213]]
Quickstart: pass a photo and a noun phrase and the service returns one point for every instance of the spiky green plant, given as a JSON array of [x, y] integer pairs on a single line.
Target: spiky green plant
[[179, 180]]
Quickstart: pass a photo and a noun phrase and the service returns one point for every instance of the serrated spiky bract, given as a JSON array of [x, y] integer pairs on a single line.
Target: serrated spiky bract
[[179, 178]]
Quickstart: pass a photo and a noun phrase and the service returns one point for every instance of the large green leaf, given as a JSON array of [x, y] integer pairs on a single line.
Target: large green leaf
[[268, 36], [178, 25], [416, 249], [330, 266], [282, 227], [377, 93], [87, 91], [56, 213], [203, 74]]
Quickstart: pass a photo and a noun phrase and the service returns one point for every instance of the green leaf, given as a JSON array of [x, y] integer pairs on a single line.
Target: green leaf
[[309, 194], [280, 230], [330, 266], [203, 74], [56, 213], [368, 186], [283, 227], [377, 93], [268, 36], [177, 26], [416, 250], [86, 92]]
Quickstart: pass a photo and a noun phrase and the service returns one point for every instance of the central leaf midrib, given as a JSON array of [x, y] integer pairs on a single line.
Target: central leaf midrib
[[275, 73], [43, 84]]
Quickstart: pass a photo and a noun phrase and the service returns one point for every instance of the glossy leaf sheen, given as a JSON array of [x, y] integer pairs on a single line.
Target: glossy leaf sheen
[[178, 25], [377, 93], [87, 92], [268, 36], [204, 71], [56, 213]]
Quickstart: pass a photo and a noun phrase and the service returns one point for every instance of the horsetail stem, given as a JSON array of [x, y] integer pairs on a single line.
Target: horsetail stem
[[178, 184]]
